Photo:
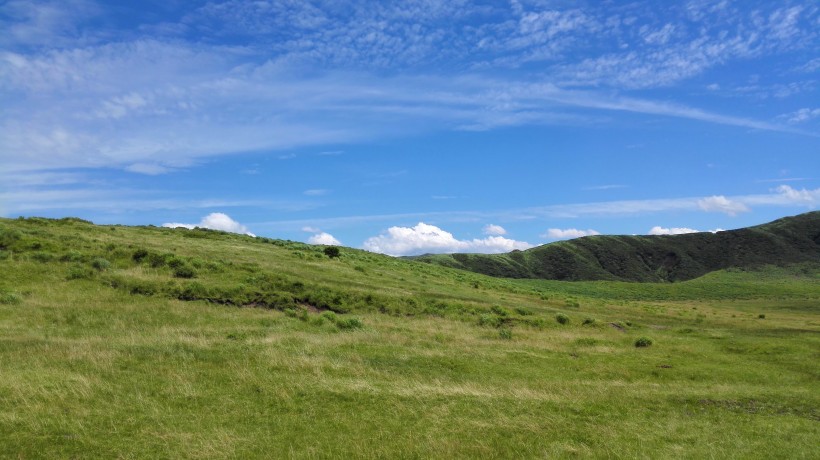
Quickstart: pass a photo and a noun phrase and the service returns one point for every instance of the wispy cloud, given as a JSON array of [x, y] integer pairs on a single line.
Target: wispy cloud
[[131, 100], [783, 195]]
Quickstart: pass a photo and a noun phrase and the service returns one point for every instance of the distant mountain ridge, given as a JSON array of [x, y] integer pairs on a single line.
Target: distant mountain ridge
[[786, 241]]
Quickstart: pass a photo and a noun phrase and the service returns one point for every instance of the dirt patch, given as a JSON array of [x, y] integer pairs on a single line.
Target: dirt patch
[[311, 308]]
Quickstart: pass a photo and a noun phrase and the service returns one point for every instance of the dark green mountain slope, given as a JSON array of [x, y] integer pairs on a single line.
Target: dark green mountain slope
[[653, 258]]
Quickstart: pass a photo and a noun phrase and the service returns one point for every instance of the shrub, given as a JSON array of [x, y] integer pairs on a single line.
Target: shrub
[[523, 311], [9, 298], [589, 321], [100, 264], [332, 252], [500, 311], [42, 256], [505, 333], [349, 323], [72, 256], [489, 320], [330, 316], [562, 318], [80, 272], [761, 316], [643, 342], [184, 271], [139, 255]]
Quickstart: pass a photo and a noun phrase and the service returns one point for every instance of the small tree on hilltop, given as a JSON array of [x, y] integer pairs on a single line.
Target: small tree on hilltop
[[332, 252]]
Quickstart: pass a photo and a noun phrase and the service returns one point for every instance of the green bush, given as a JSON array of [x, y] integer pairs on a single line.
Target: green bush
[[332, 252], [562, 318], [9, 298], [80, 272], [643, 342], [761, 316], [100, 264], [489, 320], [589, 322], [139, 255], [349, 323], [72, 256], [330, 316], [184, 271], [43, 257], [505, 333], [500, 311]]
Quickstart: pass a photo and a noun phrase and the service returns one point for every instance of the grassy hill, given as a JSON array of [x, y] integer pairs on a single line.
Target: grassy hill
[[653, 258], [144, 342]]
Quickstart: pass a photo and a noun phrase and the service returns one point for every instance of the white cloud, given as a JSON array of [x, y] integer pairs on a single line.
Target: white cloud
[[720, 203], [802, 196], [801, 116], [425, 238], [215, 221], [563, 234], [324, 238], [151, 169], [495, 230], [316, 192], [657, 230]]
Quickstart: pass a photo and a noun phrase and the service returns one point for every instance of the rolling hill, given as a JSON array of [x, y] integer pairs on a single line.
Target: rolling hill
[[145, 342], [783, 242]]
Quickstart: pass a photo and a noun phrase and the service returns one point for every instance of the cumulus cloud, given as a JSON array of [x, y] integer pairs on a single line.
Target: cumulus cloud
[[658, 230], [563, 234], [215, 221], [495, 230], [720, 203], [324, 238], [425, 238]]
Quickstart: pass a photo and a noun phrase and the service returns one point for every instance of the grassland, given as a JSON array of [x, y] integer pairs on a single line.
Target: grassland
[[146, 342]]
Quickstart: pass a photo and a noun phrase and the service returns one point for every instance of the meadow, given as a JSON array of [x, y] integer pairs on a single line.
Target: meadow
[[144, 342]]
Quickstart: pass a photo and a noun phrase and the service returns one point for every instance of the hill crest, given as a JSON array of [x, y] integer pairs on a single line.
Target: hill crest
[[652, 258]]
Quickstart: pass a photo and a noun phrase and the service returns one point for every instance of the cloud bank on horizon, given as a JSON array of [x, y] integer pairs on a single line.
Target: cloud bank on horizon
[[386, 122]]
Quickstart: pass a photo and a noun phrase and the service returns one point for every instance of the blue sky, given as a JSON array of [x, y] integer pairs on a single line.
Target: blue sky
[[412, 126]]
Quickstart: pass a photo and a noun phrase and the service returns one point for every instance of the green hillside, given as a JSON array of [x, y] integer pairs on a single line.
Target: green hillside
[[653, 258], [145, 342]]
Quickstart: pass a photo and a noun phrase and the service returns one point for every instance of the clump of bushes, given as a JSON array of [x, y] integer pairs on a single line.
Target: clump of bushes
[[72, 256], [589, 322], [343, 323], [505, 333], [500, 311], [562, 318], [9, 298], [643, 342], [43, 257], [489, 320], [79, 272], [332, 252], [761, 316]]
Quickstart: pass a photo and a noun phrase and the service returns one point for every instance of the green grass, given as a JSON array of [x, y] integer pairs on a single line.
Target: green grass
[[784, 242], [273, 349]]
